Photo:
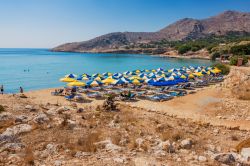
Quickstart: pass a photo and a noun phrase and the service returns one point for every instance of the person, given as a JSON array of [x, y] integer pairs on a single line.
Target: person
[[2, 89], [21, 89]]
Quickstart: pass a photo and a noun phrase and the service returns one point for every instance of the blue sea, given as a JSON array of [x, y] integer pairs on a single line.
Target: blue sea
[[35, 69]]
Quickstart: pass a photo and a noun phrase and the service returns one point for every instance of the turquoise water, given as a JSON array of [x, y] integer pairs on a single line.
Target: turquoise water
[[39, 68]]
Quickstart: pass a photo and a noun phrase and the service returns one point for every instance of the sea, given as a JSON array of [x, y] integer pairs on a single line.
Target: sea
[[35, 69]]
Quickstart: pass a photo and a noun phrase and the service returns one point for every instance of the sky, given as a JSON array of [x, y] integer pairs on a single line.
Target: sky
[[48, 23]]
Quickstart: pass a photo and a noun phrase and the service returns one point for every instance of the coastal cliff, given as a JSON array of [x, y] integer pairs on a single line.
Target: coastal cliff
[[183, 30]]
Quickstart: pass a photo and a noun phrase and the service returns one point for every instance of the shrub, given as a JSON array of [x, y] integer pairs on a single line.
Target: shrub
[[183, 49], [215, 55], [234, 59], [225, 69], [1, 109]]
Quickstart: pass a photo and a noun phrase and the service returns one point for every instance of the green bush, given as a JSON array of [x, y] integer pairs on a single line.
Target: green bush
[[225, 69], [240, 49], [1, 109], [215, 55], [183, 49], [234, 59]]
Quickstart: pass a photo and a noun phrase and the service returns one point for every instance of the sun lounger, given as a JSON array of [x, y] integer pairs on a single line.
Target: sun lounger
[[159, 97]]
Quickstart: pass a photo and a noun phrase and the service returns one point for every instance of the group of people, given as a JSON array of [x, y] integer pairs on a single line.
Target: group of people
[[2, 89]]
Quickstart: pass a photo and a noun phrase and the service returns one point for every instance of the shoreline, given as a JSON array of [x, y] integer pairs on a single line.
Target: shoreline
[[137, 53]]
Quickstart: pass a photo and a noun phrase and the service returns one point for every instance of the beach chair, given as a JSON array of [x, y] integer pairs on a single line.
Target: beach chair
[[70, 97]]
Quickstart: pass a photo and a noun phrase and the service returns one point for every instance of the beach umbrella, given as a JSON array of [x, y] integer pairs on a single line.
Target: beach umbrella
[[198, 74], [85, 75], [67, 79], [161, 79], [106, 74], [135, 82], [70, 76], [137, 71], [127, 73], [160, 69], [126, 80], [216, 70], [94, 83], [171, 78], [191, 76], [108, 80], [118, 82], [76, 83], [135, 77], [183, 76], [150, 80], [153, 70], [98, 79], [96, 75], [146, 70]]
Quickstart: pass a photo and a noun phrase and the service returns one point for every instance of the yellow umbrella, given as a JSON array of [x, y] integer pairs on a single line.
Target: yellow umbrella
[[136, 82], [183, 76], [190, 76], [198, 74], [76, 83], [135, 77], [137, 71], [67, 80], [216, 70], [108, 81], [98, 79]]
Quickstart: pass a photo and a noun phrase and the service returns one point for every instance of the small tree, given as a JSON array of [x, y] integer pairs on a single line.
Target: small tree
[[234, 59], [183, 49]]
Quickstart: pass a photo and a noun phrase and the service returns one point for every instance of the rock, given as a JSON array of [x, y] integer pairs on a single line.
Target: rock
[[245, 152], [58, 163], [109, 146], [71, 124], [30, 108], [202, 158], [225, 158], [62, 109], [5, 116], [41, 118], [18, 129], [21, 119], [163, 146], [13, 147], [52, 111], [139, 142], [80, 110], [186, 144], [119, 159], [51, 148]]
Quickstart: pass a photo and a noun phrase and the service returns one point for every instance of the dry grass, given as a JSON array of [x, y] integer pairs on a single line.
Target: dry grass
[[243, 144], [172, 135], [29, 157]]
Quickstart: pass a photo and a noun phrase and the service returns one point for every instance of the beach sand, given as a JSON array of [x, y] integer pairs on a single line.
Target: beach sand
[[197, 129]]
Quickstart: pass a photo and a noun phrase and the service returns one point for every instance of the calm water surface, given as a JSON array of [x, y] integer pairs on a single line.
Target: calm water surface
[[39, 68]]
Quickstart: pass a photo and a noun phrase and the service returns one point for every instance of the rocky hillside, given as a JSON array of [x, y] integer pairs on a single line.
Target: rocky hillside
[[185, 29]]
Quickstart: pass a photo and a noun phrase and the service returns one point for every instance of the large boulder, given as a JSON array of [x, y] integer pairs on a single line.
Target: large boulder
[[41, 118], [186, 143], [18, 129], [225, 158]]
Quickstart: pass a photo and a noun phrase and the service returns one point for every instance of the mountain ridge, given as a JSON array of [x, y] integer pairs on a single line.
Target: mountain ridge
[[183, 29]]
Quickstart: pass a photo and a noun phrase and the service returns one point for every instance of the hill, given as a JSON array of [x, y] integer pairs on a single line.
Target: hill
[[182, 30]]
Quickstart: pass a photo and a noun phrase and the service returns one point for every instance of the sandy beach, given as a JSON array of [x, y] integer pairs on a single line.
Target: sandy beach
[[204, 128]]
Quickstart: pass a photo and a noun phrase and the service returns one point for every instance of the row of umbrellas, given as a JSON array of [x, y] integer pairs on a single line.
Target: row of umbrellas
[[139, 76]]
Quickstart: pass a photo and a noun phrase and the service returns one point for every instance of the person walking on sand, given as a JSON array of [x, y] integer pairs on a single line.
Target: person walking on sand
[[21, 89], [1, 88]]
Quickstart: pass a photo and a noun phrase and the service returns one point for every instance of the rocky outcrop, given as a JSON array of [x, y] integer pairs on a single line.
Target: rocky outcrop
[[185, 29]]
